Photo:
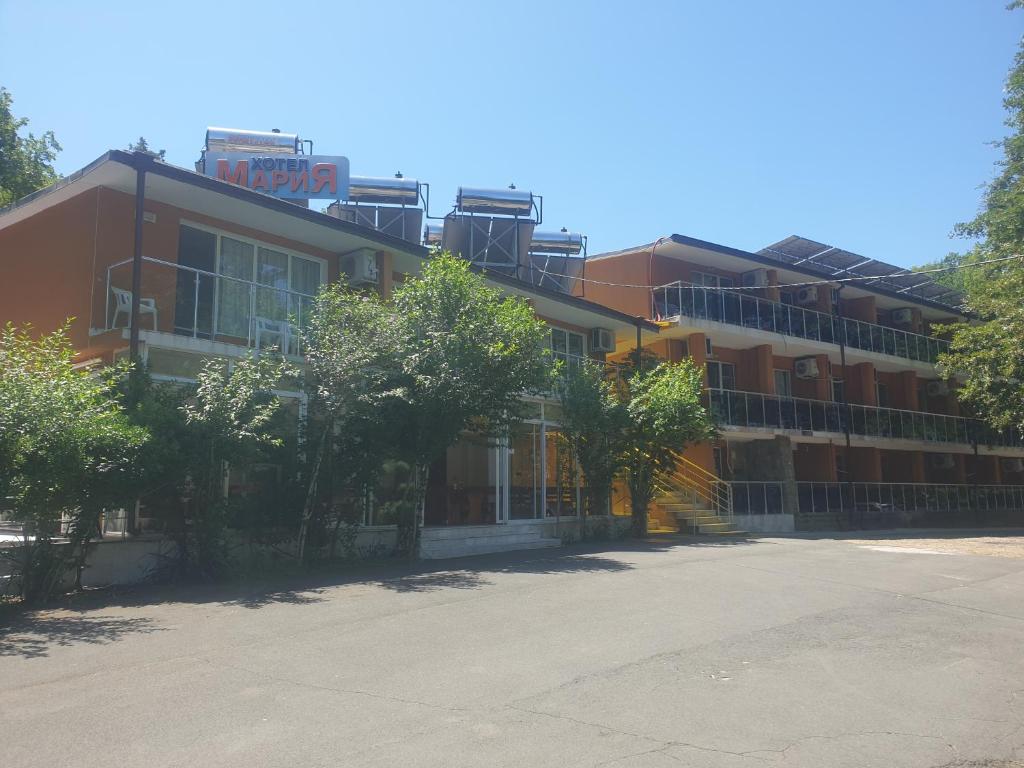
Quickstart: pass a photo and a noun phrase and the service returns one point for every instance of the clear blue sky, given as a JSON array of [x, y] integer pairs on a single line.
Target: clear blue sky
[[861, 124]]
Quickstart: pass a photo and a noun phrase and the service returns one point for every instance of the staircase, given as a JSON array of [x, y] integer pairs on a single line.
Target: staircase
[[466, 540], [697, 500]]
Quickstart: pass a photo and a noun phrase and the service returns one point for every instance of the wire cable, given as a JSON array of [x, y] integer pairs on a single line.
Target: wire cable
[[832, 281]]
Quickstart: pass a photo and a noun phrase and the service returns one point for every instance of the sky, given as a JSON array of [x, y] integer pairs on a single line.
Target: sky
[[865, 125]]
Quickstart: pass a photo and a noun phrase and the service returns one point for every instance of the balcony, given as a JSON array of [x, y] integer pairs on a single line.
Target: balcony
[[754, 410], [875, 503], [194, 303], [735, 308]]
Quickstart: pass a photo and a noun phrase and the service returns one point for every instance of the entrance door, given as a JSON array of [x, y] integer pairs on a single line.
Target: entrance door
[[193, 302]]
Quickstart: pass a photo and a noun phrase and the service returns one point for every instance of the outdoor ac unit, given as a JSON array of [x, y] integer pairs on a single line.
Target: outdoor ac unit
[[360, 267], [902, 316], [807, 296], [602, 340], [755, 278], [807, 368], [1013, 465], [937, 389], [942, 461]]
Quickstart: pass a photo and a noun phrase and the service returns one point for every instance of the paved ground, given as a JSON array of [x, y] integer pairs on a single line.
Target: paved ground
[[760, 652]]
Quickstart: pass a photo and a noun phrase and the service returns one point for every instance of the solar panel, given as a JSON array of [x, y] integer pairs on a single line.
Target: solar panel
[[835, 262]]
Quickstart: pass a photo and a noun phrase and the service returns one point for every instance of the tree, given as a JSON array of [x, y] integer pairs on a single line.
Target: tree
[[353, 357], [143, 146], [26, 162], [594, 424], [666, 413], [67, 452], [986, 352], [467, 357]]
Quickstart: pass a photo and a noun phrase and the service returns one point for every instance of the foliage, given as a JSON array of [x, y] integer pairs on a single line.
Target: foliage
[[143, 146], [468, 355], [631, 426], [595, 423], [67, 452], [26, 162], [666, 413], [353, 348], [987, 352], [227, 416]]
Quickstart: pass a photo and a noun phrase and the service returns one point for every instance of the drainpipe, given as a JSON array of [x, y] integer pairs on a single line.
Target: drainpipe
[[140, 197], [639, 344], [845, 402]]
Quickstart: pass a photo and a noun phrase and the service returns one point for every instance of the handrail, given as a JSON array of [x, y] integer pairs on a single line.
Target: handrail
[[866, 420], [736, 307], [695, 479]]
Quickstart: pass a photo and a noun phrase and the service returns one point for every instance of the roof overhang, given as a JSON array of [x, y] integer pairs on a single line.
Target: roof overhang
[[702, 252]]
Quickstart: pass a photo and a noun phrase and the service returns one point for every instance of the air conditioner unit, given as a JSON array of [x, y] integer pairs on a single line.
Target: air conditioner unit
[[806, 368], [709, 348], [807, 296], [360, 267], [755, 278], [937, 389], [602, 340], [903, 316], [1012, 465], [942, 461]]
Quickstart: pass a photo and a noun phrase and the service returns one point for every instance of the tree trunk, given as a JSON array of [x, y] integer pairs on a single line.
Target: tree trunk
[[314, 474], [640, 493]]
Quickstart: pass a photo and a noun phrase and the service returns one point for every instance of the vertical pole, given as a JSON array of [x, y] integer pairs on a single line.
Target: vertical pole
[[845, 402], [133, 338]]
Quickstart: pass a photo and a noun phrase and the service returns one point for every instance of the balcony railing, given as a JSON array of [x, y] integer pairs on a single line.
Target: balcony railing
[[187, 301], [737, 308], [752, 409], [883, 498], [887, 502]]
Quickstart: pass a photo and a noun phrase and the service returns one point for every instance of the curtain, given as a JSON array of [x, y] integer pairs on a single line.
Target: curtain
[[236, 260]]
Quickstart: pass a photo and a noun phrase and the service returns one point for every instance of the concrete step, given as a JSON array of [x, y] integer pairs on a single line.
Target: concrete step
[[453, 548]]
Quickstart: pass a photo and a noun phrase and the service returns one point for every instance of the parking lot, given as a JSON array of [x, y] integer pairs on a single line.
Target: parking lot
[[889, 650]]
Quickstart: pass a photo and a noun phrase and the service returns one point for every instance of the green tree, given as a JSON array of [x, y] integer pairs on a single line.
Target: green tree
[[467, 356], [353, 350], [26, 161], [987, 352], [143, 146], [595, 423], [68, 452], [666, 414]]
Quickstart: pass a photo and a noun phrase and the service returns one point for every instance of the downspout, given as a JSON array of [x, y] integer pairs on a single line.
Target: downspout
[[845, 402], [140, 198], [133, 338]]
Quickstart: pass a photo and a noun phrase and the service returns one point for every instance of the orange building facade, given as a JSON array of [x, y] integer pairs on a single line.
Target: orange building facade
[[822, 378]]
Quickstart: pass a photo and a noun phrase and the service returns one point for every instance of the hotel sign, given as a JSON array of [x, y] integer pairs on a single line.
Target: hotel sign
[[295, 177]]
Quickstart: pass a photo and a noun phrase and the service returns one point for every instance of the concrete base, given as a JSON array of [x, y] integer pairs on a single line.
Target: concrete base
[[464, 540], [765, 523]]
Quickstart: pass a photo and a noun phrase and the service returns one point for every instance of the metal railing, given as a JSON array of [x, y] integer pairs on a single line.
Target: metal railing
[[757, 497], [193, 302], [881, 498], [737, 308], [681, 474], [753, 409]]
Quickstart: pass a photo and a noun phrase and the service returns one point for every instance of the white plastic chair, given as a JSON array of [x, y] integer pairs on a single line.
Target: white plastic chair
[[123, 303], [281, 329]]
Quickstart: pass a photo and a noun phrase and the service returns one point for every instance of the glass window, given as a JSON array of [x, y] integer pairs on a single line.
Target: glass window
[[721, 375], [837, 391], [567, 346], [783, 383]]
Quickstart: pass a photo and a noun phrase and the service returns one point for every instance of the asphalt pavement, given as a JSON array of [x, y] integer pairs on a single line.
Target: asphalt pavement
[[701, 652]]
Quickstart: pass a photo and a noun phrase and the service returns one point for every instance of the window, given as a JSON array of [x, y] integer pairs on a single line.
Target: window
[[881, 394], [258, 288], [787, 297], [842, 471], [838, 391], [783, 383], [712, 281], [721, 375], [719, 458], [567, 346]]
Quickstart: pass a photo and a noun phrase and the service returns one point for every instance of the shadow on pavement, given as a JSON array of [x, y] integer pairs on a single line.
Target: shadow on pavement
[[31, 634]]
